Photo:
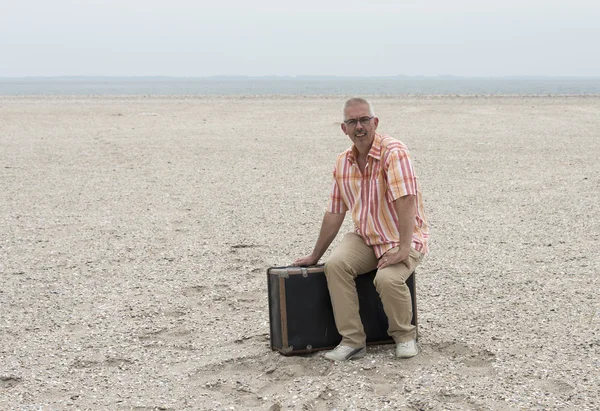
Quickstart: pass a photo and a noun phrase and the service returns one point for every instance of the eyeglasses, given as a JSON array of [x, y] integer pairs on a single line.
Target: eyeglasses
[[353, 122]]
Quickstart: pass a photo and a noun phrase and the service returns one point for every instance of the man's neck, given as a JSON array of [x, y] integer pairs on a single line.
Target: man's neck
[[363, 150], [361, 158]]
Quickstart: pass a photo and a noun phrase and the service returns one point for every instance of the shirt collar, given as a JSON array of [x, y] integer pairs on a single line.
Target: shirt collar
[[374, 152]]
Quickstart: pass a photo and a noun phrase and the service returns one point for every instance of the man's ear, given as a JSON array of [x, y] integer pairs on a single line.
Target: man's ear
[[343, 127], [376, 122]]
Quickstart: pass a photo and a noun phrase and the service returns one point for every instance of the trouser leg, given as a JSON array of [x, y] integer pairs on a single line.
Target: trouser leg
[[350, 258], [390, 283]]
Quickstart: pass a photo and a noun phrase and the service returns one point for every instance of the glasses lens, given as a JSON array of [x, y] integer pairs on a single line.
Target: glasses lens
[[351, 122], [364, 120]]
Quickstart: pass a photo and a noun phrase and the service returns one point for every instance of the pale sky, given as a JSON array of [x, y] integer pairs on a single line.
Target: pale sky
[[276, 37]]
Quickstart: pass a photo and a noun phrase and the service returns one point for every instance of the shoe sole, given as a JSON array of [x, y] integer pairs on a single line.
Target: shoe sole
[[359, 354], [407, 355]]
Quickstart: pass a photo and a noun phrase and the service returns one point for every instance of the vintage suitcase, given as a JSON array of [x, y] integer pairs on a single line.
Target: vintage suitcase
[[300, 313]]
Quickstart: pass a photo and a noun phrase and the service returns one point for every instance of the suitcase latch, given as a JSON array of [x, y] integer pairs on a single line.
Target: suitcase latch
[[304, 271]]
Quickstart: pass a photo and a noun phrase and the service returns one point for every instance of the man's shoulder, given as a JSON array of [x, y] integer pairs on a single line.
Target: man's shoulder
[[390, 144]]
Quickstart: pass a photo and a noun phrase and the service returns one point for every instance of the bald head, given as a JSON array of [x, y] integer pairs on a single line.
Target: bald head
[[356, 101]]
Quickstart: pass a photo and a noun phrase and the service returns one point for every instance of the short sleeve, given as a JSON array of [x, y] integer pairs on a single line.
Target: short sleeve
[[401, 177], [336, 202]]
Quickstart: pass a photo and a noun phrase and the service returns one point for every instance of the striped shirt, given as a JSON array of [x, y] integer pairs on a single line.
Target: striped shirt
[[389, 175]]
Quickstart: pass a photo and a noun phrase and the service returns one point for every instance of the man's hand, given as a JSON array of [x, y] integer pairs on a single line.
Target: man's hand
[[306, 261], [393, 256], [405, 209]]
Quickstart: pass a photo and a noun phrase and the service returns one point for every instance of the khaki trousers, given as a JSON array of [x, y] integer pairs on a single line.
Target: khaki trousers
[[352, 257]]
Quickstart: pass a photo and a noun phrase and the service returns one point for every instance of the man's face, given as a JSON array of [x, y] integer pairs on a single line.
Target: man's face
[[362, 130]]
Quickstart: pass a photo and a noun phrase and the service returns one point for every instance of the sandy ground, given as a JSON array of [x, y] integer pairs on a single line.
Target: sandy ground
[[135, 235]]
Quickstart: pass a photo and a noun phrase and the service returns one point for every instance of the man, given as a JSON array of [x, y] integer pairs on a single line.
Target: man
[[376, 182]]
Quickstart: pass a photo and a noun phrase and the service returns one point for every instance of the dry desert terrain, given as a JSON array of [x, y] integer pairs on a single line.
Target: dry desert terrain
[[135, 235]]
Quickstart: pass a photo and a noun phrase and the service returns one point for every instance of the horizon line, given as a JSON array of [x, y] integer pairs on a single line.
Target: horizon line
[[300, 76]]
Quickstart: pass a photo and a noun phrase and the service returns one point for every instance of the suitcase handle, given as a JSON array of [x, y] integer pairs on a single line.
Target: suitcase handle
[[285, 272]]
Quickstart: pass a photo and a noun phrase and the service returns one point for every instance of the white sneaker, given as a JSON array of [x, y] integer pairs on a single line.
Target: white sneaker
[[344, 353], [406, 349]]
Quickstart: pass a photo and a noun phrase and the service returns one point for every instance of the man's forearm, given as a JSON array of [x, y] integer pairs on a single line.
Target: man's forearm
[[406, 210], [329, 228]]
